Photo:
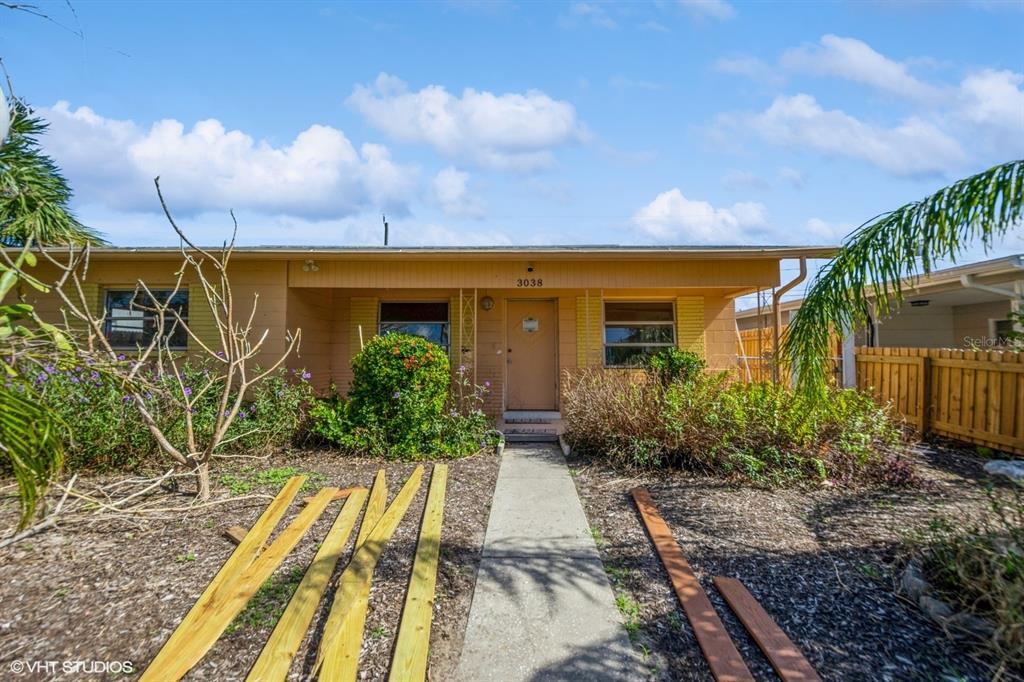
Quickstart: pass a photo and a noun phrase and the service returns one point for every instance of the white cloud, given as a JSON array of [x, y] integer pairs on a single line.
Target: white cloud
[[516, 131], [994, 99], [796, 179], [857, 61], [828, 232], [709, 9], [653, 26], [914, 147], [451, 189], [671, 217], [593, 13], [207, 167]]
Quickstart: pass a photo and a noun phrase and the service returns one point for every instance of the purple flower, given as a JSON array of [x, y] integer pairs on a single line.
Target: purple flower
[[126, 399], [396, 394], [487, 384], [242, 414], [121, 356], [95, 376], [188, 391], [50, 369], [74, 380], [306, 376]]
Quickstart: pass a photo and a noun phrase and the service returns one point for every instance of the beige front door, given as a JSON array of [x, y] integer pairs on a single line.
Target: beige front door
[[532, 361]]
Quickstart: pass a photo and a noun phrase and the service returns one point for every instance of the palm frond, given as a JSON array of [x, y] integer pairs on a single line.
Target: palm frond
[[31, 440], [866, 276], [34, 196]]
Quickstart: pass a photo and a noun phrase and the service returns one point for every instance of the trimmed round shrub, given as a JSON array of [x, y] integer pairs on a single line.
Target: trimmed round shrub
[[401, 404]]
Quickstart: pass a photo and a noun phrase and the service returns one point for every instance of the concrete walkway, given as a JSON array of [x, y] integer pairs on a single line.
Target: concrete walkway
[[543, 608]]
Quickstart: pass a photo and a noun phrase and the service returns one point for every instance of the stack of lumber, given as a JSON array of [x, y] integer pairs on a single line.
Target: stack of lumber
[[254, 561]]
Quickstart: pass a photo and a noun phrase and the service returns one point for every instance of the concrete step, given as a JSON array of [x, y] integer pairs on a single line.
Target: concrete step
[[531, 437]]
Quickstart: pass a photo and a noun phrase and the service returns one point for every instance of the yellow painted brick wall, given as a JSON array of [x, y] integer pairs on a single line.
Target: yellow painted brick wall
[[362, 315], [200, 319], [690, 324], [589, 344]]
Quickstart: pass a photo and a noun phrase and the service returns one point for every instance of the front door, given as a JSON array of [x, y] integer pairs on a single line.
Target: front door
[[532, 363]]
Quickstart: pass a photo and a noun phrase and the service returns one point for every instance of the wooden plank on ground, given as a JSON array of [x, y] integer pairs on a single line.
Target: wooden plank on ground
[[276, 657], [235, 534], [721, 654], [374, 508], [340, 495], [784, 656], [226, 596], [413, 643], [241, 558], [338, 657]]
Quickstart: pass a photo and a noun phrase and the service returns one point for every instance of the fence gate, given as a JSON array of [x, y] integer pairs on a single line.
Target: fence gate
[[973, 396]]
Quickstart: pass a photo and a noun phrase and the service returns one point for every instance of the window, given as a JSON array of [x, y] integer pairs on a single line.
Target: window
[[632, 330], [131, 322], [428, 320], [1002, 331]]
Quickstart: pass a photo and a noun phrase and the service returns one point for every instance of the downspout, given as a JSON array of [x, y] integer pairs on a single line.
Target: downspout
[[777, 315]]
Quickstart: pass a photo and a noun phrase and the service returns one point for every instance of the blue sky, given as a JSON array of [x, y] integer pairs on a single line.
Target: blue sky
[[470, 123]]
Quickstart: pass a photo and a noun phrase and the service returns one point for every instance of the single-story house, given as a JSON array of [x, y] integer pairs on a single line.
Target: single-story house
[[967, 306], [515, 317]]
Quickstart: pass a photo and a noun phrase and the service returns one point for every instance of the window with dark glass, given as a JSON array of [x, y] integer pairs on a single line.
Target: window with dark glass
[[635, 329], [131, 321], [428, 320], [1003, 331]]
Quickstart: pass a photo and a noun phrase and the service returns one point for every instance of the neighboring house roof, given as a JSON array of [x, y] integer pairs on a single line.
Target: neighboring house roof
[[939, 281], [566, 252]]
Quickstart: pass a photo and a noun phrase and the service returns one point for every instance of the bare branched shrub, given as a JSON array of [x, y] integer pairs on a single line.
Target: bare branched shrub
[[231, 357]]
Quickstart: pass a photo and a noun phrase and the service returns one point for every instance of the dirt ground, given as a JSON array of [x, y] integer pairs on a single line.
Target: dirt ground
[[114, 591], [820, 561]]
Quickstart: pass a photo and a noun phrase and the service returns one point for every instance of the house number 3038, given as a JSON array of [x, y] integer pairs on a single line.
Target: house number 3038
[[529, 282]]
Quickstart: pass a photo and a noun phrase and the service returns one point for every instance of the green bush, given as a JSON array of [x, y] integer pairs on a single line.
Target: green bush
[[978, 566], [108, 433], [706, 422], [403, 404], [671, 364]]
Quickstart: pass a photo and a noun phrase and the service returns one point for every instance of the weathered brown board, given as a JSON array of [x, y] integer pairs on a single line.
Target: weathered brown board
[[412, 645], [338, 657], [721, 654], [235, 534], [276, 657], [784, 656], [227, 595]]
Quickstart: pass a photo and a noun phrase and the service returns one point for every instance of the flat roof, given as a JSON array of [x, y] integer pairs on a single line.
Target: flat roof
[[919, 284], [598, 251]]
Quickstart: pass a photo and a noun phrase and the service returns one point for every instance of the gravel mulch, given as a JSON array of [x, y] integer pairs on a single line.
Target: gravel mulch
[[821, 561], [114, 591]]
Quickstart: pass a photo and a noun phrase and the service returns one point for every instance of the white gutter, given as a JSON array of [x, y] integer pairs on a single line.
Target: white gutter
[[777, 314]]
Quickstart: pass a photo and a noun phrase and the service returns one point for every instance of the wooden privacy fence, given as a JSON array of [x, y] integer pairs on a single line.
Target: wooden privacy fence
[[755, 355], [973, 396]]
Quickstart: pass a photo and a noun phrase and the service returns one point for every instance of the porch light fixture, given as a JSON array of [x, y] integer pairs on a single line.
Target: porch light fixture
[[487, 303], [310, 266]]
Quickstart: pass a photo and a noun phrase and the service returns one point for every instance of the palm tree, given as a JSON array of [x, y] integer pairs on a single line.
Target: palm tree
[[34, 196], [871, 266], [34, 199]]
